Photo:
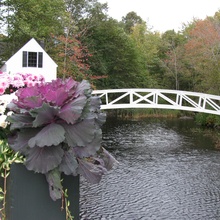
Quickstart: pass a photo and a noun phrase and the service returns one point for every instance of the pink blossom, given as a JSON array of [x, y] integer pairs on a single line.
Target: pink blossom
[[30, 84], [2, 91], [9, 79], [17, 77], [18, 80], [30, 78], [4, 84], [18, 83]]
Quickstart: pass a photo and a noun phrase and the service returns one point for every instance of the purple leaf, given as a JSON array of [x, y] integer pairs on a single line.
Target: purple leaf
[[101, 118], [66, 88], [83, 88], [95, 103], [73, 110], [80, 134], [108, 159], [20, 121], [57, 97], [55, 186], [91, 148], [44, 115], [92, 110], [52, 134], [20, 141], [70, 84], [30, 102], [69, 163], [92, 172], [24, 93], [44, 159]]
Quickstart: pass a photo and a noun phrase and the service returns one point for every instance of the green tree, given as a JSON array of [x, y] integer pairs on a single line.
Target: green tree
[[115, 56], [172, 50], [147, 43], [85, 14], [25, 19], [130, 20]]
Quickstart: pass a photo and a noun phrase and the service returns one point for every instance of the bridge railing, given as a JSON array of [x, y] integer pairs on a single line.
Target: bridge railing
[[159, 98]]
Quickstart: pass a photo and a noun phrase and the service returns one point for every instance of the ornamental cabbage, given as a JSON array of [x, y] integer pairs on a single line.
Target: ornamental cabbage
[[57, 127]]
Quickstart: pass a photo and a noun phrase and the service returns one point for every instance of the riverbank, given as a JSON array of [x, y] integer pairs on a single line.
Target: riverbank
[[148, 113], [208, 125]]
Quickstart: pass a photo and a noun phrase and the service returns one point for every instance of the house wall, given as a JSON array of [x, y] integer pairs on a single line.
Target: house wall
[[49, 71], [14, 64]]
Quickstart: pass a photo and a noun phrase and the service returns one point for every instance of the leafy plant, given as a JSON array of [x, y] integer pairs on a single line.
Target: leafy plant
[[208, 120], [67, 204], [57, 127]]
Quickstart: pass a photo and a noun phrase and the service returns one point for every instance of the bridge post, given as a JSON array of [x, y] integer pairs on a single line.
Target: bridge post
[[131, 97], [106, 98], [155, 98]]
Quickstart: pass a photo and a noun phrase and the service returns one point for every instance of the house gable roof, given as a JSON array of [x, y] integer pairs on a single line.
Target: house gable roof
[[32, 46]]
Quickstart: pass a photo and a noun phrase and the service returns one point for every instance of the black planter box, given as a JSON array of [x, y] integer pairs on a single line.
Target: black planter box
[[28, 196]]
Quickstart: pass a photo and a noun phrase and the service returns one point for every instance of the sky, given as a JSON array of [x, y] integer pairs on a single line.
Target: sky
[[163, 15]]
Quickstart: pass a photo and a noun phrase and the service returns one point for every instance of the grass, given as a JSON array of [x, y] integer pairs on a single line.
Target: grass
[[146, 113]]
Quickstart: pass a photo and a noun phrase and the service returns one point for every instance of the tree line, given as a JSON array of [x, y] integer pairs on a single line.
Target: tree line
[[87, 43]]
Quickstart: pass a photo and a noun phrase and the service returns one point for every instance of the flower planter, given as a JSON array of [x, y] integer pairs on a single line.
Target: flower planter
[[28, 196], [57, 128]]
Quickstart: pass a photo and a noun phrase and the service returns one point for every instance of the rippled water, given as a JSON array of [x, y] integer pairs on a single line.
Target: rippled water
[[166, 171]]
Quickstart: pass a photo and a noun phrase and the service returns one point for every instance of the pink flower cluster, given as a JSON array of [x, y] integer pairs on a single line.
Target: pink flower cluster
[[14, 81]]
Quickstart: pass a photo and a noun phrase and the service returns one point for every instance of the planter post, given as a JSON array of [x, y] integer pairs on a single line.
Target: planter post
[[28, 196]]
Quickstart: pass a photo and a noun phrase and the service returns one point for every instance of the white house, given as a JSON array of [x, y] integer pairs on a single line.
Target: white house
[[31, 58]]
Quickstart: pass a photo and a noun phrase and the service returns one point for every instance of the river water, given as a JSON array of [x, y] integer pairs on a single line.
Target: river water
[[166, 171]]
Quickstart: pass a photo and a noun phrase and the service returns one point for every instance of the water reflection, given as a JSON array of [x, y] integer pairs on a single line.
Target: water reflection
[[166, 172]]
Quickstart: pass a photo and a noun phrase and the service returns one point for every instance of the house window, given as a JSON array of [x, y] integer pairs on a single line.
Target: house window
[[32, 59]]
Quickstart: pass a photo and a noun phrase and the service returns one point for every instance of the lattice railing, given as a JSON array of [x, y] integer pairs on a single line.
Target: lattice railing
[[159, 98]]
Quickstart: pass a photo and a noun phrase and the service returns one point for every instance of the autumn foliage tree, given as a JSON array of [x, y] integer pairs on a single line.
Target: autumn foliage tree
[[72, 57], [202, 52]]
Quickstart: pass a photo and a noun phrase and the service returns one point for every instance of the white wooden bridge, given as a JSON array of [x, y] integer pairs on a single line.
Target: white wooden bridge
[[159, 98]]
